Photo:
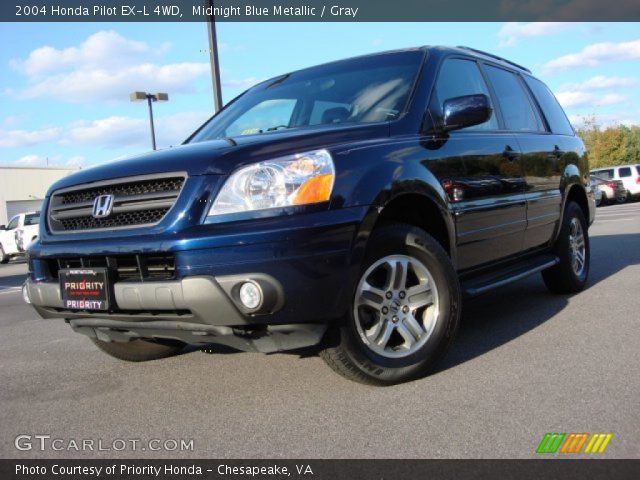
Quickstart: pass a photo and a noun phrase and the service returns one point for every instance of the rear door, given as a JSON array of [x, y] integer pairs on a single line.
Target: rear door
[[545, 140], [480, 168]]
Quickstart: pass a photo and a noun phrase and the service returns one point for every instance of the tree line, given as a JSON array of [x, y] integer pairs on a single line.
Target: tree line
[[613, 145]]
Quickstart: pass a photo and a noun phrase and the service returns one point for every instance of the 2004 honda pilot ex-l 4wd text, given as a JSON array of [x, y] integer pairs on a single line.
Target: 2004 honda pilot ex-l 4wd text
[[350, 205]]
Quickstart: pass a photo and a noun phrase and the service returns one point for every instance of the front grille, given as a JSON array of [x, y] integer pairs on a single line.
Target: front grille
[[127, 268], [137, 201]]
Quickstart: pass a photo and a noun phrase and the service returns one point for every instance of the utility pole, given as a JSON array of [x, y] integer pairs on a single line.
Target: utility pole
[[213, 54]]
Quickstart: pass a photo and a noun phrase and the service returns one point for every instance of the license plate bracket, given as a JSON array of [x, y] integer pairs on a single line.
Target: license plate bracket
[[84, 288]]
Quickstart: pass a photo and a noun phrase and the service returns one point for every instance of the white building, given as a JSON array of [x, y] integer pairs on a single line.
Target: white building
[[22, 189]]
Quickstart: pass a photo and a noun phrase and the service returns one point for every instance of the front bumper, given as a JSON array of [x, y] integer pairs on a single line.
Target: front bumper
[[302, 263]]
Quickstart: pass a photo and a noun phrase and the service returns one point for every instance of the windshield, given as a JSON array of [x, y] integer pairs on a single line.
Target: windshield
[[362, 90]]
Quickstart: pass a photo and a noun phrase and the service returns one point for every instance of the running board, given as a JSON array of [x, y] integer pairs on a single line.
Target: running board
[[478, 285]]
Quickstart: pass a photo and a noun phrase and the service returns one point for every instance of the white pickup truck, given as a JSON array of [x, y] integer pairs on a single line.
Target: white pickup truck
[[16, 236]]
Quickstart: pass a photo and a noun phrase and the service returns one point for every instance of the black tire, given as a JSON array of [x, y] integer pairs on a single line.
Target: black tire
[[4, 258], [344, 349], [562, 278], [138, 350]]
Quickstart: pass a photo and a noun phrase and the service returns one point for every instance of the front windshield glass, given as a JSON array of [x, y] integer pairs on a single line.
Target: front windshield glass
[[361, 90]]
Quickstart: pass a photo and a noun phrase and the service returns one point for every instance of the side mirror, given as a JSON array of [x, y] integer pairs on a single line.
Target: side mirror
[[465, 111]]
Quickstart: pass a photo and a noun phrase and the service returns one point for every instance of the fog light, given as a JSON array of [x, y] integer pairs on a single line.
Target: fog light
[[250, 295], [25, 294]]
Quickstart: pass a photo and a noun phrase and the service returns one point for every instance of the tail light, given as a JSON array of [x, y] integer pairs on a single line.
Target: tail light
[[638, 180], [611, 185]]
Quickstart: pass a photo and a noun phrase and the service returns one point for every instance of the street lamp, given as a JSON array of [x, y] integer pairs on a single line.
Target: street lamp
[[150, 98]]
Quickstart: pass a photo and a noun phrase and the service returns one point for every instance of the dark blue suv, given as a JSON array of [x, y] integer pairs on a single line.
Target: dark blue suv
[[349, 205]]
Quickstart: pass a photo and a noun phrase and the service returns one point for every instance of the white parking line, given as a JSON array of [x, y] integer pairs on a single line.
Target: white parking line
[[10, 290]]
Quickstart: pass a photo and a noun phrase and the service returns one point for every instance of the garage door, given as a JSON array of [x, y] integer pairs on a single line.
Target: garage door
[[22, 206]]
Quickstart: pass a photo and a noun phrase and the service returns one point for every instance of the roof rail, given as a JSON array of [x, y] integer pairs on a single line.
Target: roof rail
[[494, 56]]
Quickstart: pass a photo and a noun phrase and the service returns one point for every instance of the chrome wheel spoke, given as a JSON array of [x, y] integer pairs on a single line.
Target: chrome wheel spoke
[[409, 338], [414, 326], [397, 274], [419, 296], [384, 333]]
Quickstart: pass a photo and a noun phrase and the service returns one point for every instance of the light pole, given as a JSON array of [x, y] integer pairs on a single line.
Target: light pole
[[150, 98], [213, 56]]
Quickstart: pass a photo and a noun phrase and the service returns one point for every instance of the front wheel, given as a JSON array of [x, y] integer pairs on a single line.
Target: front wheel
[[572, 247], [138, 350], [404, 313]]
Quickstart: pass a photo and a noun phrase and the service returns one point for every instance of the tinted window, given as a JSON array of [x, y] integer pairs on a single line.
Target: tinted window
[[550, 107], [31, 219], [624, 172], [372, 89], [266, 116], [13, 223], [328, 112], [516, 108], [459, 77], [638, 169]]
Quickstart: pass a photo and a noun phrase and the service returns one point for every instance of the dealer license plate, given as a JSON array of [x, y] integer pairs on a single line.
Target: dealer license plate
[[84, 288]]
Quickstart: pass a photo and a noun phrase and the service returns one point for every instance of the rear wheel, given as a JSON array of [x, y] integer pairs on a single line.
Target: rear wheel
[[4, 258], [405, 310], [572, 247], [138, 350]]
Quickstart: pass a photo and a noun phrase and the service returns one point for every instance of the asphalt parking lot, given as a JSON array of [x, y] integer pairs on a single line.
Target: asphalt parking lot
[[525, 363]]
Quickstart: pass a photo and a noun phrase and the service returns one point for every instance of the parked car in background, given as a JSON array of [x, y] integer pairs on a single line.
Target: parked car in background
[[629, 175], [611, 190], [597, 191], [16, 236]]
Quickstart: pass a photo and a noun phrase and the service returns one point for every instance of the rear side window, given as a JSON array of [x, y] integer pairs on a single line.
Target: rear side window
[[608, 174], [460, 77], [624, 172], [638, 169], [516, 108], [550, 107]]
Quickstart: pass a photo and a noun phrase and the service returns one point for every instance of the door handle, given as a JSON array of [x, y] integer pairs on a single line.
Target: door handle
[[510, 154]]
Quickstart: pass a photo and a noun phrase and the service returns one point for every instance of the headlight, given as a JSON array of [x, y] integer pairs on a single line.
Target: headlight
[[293, 180]]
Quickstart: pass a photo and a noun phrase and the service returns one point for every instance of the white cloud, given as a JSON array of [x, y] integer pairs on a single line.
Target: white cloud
[[22, 138], [120, 132], [243, 83], [512, 32], [577, 98], [98, 84], [596, 54], [32, 160], [106, 66], [601, 82], [102, 50]]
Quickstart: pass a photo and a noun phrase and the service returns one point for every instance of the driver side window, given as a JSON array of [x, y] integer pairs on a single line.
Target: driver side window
[[265, 116], [460, 77]]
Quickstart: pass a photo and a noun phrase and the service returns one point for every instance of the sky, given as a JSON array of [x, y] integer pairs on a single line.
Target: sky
[[64, 87]]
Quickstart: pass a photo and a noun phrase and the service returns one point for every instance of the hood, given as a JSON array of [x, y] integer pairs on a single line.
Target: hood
[[221, 157]]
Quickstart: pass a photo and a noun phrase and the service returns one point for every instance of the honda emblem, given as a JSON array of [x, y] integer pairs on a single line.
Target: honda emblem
[[102, 206]]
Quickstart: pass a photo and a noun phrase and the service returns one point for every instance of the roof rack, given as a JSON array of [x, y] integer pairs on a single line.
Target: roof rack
[[494, 56]]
